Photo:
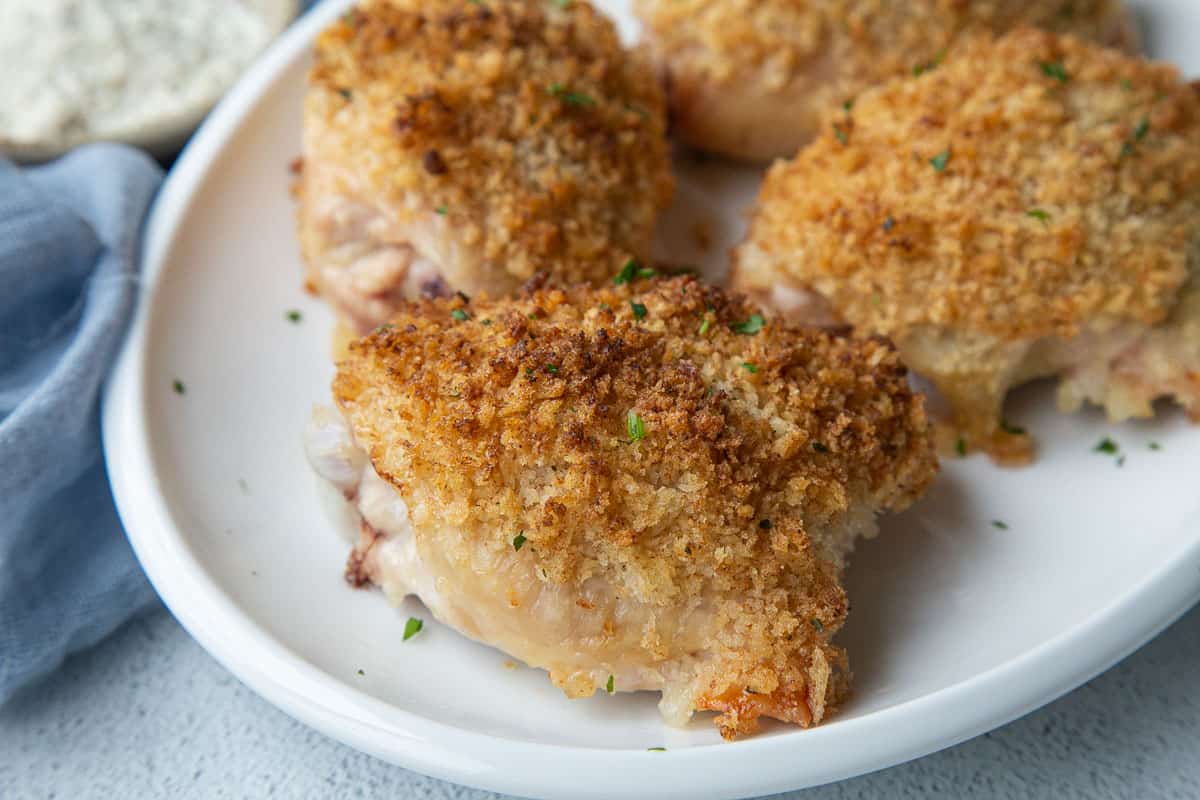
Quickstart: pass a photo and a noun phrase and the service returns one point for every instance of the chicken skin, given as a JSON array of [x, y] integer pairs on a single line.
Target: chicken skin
[[751, 79], [452, 145], [637, 487], [1030, 208]]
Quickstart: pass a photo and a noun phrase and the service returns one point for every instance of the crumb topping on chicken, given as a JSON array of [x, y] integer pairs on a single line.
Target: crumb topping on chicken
[[1025, 186], [816, 55], [523, 126], [660, 438]]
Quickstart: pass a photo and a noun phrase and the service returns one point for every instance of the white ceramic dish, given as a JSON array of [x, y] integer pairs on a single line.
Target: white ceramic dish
[[958, 626], [167, 133]]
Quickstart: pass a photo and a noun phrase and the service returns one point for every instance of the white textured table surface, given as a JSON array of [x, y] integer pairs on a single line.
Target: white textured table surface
[[149, 714]]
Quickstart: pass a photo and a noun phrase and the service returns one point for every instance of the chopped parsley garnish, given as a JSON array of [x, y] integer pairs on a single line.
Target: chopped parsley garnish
[[1127, 84], [1039, 214], [460, 315], [412, 627], [750, 367], [960, 447], [750, 326], [1106, 446], [818, 626], [360, 672], [552, 369], [440, 211], [639, 310], [1154, 446], [1000, 524], [820, 447], [293, 316], [519, 540], [848, 106], [178, 386], [608, 687], [634, 427], [656, 749], [245, 487], [529, 371], [485, 322], [632, 270], [940, 161], [765, 524], [840, 134], [1055, 70], [1008, 427], [569, 97], [929, 66], [704, 326], [345, 93], [1141, 130]]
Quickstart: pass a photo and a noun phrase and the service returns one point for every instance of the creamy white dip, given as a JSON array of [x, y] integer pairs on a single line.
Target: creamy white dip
[[109, 68]]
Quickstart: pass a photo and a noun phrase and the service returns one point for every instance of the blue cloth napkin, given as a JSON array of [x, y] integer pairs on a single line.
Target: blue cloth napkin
[[69, 240]]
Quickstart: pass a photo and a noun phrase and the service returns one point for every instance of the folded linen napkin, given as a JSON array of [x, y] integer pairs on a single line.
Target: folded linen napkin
[[69, 241]]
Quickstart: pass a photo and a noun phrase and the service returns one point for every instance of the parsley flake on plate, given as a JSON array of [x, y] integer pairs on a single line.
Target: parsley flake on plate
[[519, 540], [413, 627]]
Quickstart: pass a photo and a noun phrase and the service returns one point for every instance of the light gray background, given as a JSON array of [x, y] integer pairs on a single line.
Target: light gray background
[[150, 714]]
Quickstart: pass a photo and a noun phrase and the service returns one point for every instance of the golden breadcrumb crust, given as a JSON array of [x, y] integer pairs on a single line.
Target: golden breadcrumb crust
[[524, 123], [1025, 187], [821, 53], [562, 415]]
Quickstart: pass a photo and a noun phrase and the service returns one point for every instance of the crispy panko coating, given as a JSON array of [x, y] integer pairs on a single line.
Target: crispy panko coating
[[1031, 207], [457, 145], [639, 482], [751, 79]]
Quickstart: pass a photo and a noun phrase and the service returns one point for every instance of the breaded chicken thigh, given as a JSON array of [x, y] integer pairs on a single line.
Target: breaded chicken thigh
[[751, 79], [452, 145], [1030, 208], [634, 488]]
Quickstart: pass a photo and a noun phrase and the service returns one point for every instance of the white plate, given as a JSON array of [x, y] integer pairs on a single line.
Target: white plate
[[958, 626]]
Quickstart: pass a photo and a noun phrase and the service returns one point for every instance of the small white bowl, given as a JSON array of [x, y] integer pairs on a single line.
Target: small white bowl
[[167, 133]]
